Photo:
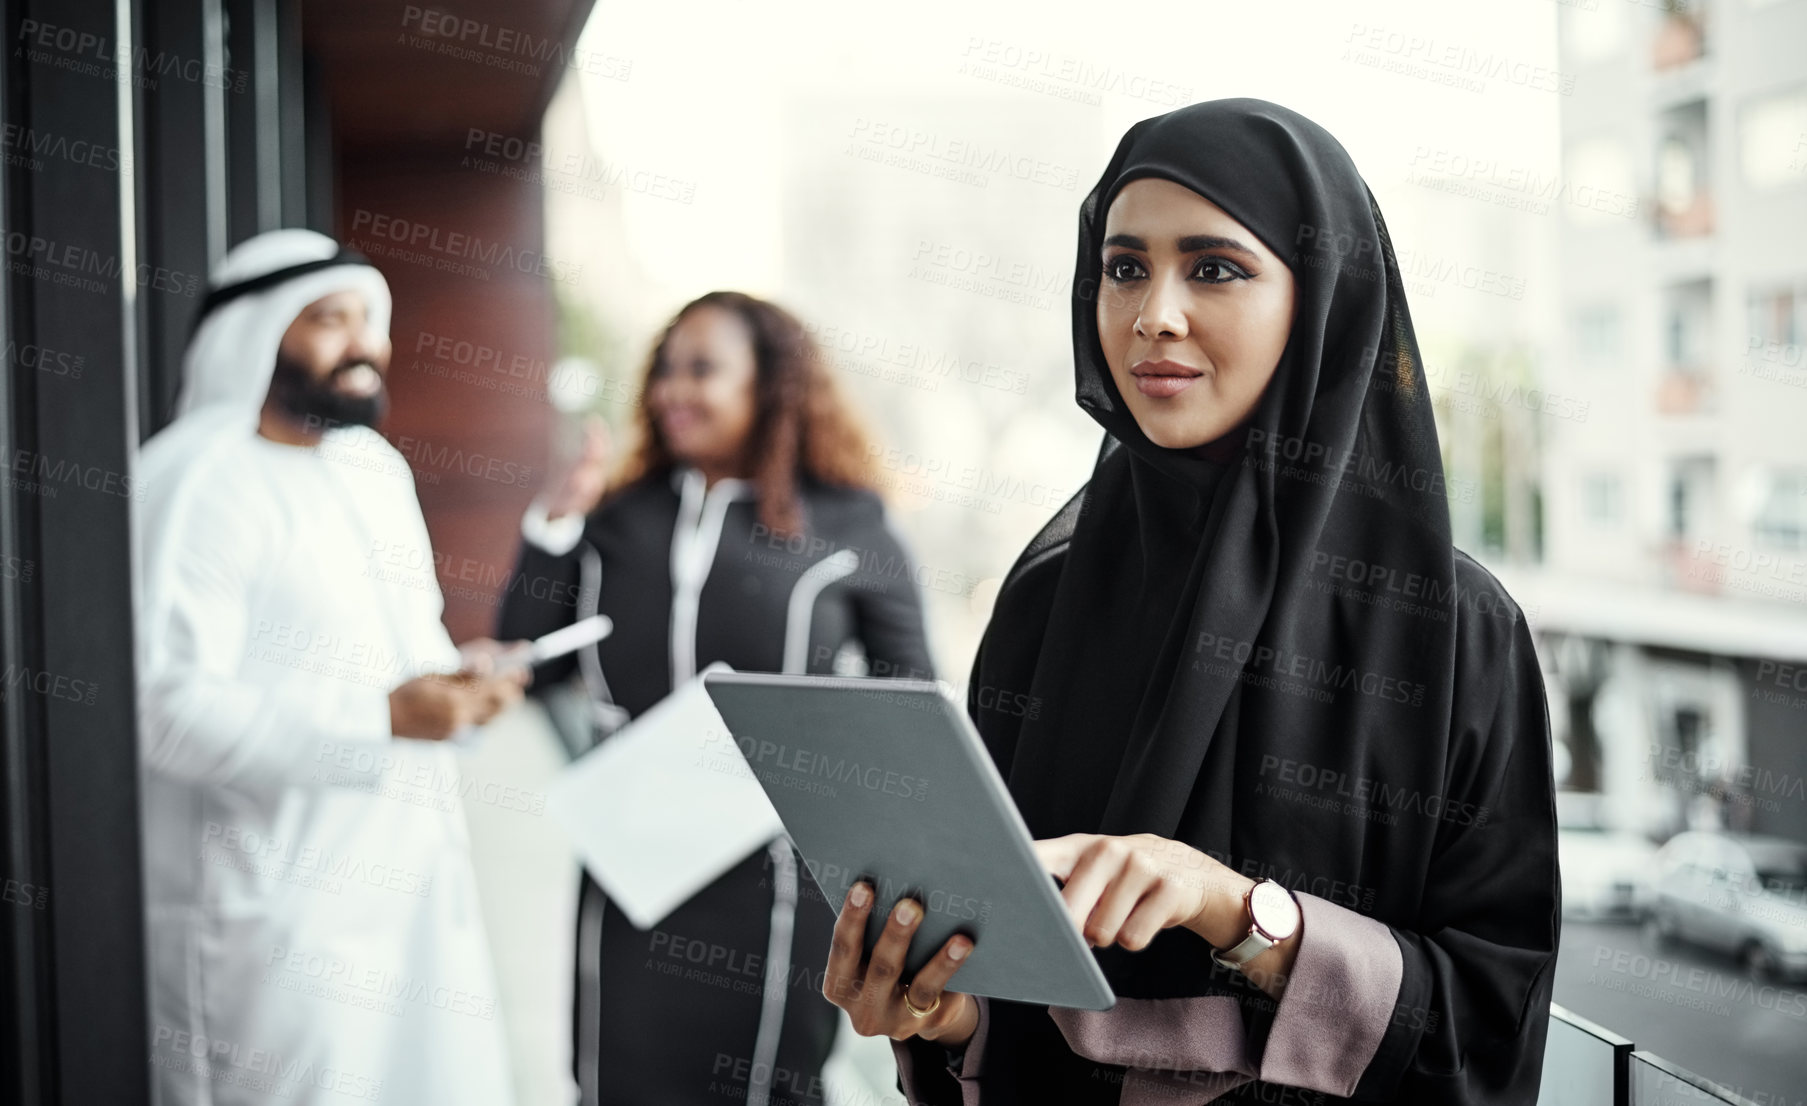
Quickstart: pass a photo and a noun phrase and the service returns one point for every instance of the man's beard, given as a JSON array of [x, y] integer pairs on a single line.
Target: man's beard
[[316, 404]]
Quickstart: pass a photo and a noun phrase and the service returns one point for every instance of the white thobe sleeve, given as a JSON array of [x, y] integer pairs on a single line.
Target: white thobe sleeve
[[199, 722]]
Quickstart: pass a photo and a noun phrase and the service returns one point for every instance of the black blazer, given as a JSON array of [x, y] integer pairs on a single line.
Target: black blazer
[[673, 1015]]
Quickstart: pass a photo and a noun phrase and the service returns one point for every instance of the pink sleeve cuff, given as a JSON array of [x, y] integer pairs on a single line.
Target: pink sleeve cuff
[[1327, 1027], [973, 1062], [906, 1071], [1338, 1001], [1169, 1034], [1177, 1050]]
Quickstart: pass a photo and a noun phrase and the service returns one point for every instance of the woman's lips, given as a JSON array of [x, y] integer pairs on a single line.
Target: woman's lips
[[1163, 387], [1163, 380], [677, 421]]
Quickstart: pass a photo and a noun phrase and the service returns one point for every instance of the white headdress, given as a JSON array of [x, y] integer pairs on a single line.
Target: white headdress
[[260, 288]]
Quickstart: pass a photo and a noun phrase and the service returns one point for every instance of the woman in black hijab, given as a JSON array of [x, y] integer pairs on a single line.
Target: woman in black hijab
[[1274, 699]]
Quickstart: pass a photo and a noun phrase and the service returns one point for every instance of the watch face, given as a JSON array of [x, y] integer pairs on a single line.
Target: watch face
[[1273, 910]]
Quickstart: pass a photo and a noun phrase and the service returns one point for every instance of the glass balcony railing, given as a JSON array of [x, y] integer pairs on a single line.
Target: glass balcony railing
[[1587, 1065], [1583, 1064], [1657, 1082]]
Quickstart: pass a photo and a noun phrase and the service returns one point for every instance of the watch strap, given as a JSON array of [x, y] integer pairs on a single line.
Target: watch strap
[[1244, 950]]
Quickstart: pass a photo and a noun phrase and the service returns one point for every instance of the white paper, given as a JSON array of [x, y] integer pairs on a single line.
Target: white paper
[[568, 639], [663, 807]]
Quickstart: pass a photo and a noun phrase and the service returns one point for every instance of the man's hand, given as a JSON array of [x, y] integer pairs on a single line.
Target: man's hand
[[435, 707], [485, 656]]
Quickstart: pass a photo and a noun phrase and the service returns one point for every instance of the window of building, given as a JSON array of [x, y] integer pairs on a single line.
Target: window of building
[[1772, 139], [1690, 496], [1776, 327], [1683, 187], [1599, 182], [1776, 315], [1687, 326], [1782, 514], [1597, 334], [1602, 499]]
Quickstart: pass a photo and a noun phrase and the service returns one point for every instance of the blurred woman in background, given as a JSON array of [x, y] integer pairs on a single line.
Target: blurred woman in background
[[742, 528]]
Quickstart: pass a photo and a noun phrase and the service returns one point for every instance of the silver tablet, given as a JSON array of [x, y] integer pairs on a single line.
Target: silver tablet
[[887, 780]]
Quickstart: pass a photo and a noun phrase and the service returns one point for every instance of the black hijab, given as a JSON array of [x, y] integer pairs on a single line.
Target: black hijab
[[1230, 566], [1189, 633]]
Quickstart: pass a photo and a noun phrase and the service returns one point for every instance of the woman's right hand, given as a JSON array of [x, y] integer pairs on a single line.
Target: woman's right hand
[[868, 988], [580, 483]]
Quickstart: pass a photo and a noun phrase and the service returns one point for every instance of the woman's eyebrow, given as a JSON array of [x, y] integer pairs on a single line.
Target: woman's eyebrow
[[1191, 243]]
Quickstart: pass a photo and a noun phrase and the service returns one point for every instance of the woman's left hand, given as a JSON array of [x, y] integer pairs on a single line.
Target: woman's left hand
[[1124, 890]]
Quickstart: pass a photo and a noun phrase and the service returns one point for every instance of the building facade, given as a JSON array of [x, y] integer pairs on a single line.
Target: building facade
[[1673, 593]]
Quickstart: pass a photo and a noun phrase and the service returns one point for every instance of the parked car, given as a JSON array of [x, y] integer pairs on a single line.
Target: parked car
[[1606, 872], [1739, 894]]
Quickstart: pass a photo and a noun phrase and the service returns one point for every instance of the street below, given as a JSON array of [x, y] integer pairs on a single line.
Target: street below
[[1691, 1006]]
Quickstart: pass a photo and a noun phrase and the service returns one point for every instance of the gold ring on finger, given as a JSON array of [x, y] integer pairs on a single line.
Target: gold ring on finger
[[904, 989]]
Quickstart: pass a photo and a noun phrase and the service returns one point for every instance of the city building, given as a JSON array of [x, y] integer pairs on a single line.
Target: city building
[[1672, 595]]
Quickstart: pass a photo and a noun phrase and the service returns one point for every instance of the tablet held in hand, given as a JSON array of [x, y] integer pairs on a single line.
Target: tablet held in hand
[[886, 781]]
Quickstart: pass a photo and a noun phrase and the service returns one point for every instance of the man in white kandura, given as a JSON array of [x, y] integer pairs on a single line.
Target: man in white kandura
[[311, 911]]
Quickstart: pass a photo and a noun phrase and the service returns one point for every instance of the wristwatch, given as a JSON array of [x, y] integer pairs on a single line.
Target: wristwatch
[[1273, 917]]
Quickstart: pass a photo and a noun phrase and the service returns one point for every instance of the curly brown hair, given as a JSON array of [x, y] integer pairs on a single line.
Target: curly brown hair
[[802, 425]]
